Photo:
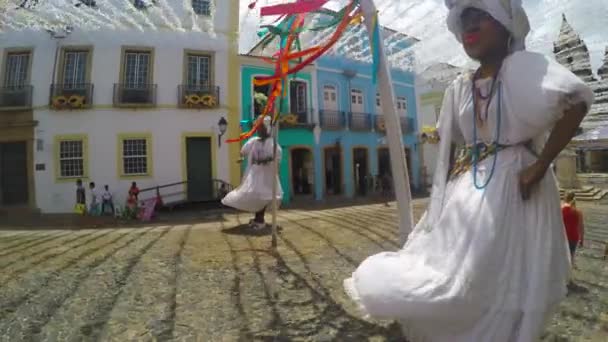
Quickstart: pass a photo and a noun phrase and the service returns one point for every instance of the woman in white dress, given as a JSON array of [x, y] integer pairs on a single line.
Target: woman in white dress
[[255, 192], [488, 262]]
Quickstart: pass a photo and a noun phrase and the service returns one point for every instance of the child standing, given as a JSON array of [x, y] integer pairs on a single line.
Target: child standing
[[107, 200], [81, 202], [573, 221], [94, 206]]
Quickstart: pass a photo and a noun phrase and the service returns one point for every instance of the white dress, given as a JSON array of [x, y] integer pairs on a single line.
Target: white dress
[[483, 265], [255, 191]]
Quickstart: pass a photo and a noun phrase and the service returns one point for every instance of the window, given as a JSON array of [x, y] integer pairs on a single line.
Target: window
[[137, 69], [17, 68], [356, 96], [401, 104], [199, 70], [74, 68], [330, 98], [201, 7], [297, 97], [378, 100], [71, 156], [135, 156]]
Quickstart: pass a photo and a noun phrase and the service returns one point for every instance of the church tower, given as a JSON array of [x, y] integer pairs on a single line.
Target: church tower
[[570, 51]]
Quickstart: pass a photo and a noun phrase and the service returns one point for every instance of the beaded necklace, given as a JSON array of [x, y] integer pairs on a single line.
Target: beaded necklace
[[476, 145]]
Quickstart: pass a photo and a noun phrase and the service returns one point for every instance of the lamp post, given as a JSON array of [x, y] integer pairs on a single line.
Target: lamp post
[[223, 126]]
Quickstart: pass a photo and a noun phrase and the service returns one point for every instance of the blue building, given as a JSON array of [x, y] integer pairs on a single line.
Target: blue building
[[352, 146], [350, 152]]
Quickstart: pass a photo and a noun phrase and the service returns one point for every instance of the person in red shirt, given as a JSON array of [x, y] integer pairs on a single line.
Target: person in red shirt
[[573, 221]]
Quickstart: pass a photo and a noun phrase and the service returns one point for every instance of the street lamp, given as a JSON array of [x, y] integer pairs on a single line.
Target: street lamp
[[223, 126]]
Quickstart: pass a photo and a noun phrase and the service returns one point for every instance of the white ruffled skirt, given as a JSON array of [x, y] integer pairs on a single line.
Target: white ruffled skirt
[[491, 269]]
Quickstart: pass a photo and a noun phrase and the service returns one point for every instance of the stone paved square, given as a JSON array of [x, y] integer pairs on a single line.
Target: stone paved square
[[217, 281]]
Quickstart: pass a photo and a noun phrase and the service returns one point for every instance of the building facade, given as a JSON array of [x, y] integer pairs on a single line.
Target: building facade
[[141, 99], [298, 122], [353, 150], [572, 52]]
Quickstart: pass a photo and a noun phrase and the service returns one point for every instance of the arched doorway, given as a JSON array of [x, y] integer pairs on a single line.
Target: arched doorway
[[384, 162], [360, 170], [332, 157], [302, 171]]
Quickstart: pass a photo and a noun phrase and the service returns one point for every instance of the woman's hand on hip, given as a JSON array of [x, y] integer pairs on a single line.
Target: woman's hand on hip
[[529, 177]]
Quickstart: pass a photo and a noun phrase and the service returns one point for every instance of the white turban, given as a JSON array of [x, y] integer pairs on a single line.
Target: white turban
[[509, 13], [267, 123]]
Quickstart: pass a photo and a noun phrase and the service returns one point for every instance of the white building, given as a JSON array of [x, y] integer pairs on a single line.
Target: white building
[[115, 92], [430, 87]]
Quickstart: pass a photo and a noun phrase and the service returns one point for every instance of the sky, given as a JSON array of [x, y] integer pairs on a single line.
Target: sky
[[425, 20]]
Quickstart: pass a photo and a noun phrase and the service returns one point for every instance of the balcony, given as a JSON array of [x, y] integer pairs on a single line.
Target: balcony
[[201, 97], [16, 97], [332, 120], [300, 119], [71, 96], [408, 125], [139, 95], [360, 122]]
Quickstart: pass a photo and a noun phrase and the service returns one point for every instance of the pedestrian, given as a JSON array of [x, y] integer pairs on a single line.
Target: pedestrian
[[107, 200], [81, 202], [255, 192], [574, 224], [487, 261], [94, 206], [134, 191]]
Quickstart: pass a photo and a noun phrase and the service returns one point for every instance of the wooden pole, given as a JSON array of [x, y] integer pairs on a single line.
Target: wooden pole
[[393, 128]]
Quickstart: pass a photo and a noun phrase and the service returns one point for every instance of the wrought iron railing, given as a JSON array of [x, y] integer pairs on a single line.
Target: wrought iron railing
[[16, 97], [332, 119], [71, 96], [360, 121], [408, 125], [134, 95], [195, 96]]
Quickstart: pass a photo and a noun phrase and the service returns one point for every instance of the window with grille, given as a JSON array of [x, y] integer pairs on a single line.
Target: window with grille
[[201, 7], [135, 156], [199, 71], [74, 69], [71, 158], [137, 70], [17, 67]]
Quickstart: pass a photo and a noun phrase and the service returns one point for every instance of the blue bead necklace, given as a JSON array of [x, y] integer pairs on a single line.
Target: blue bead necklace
[[475, 148]]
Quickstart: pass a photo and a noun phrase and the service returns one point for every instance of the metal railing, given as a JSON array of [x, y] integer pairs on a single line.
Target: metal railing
[[408, 125], [16, 97], [179, 190], [297, 119], [332, 119], [130, 95], [71, 96], [195, 96], [360, 121]]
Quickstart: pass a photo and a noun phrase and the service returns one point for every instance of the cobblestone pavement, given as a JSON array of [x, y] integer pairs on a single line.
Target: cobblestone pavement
[[215, 281]]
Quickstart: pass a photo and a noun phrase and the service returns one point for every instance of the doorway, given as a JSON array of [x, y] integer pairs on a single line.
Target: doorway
[[198, 168], [302, 172], [333, 170], [360, 171], [13, 174], [384, 161]]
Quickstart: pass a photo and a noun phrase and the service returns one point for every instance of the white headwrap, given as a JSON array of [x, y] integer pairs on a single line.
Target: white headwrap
[[509, 13], [267, 123]]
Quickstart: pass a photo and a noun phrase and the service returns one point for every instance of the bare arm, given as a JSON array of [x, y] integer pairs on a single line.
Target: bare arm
[[561, 135], [581, 227]]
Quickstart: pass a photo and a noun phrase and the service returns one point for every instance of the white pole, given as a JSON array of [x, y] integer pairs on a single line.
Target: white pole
[[393, 130], [275, 170]]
